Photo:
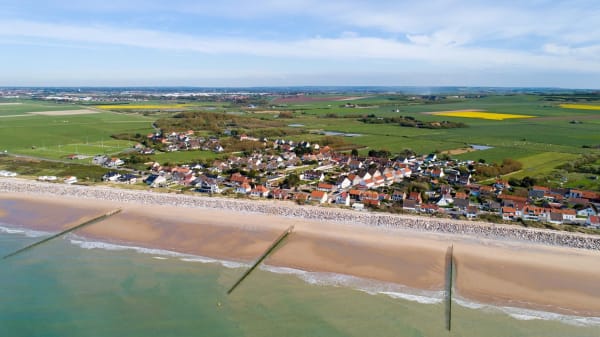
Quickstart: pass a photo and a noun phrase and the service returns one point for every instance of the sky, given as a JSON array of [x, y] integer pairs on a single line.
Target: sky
[[534, 43]]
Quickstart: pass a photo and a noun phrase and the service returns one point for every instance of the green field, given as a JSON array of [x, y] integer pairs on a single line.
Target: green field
[[22, 107], [554, 136], [58, 136]]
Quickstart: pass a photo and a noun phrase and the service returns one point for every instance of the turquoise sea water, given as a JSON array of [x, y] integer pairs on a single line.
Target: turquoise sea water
[[72, 287]]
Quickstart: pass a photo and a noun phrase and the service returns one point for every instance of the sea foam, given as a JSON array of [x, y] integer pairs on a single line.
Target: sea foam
[[22, 231], [523, 314], [369, 286]]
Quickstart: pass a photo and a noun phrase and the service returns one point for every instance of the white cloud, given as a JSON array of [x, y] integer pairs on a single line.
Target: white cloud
[[440, 49]]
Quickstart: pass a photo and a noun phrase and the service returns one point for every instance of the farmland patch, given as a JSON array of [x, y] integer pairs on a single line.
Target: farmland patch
[[480, 115]]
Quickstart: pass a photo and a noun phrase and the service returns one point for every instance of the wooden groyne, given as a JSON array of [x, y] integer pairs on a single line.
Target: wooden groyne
[[89, 222], [264, 255], [449, 285]]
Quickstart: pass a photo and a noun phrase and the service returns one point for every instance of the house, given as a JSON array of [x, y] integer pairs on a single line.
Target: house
[[355, 164], [128, 178], [398, 195], [357, 206], [319, 196], [325, 187], [461, 204], [355, 194], [238, 179], [114, 162], [301, 197], [538, 192], [367, 183], [208, 185], [111, 176], [243, 188], [260, 191], [155, 180], [429, 208], [369, 196], [568, 214], [501, 185], [354, 179], [280, 194], [70, 180], [437, 173], [593, 221], [47, 178], [460, 195], [556, 218], [99, 160], [343, 199], [573, 193], [312, 175], [530, 212], [415, 196], [586, 212], [410, 205], [508, 213], [445, 200], [472, 211], [343, 182]]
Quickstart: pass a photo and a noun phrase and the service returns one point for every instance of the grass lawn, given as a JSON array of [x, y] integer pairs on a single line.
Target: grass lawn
[[181, 157]]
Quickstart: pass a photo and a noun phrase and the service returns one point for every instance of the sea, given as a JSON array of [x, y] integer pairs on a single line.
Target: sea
[[71, 286]]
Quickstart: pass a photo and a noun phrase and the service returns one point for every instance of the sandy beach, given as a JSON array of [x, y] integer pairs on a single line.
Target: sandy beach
[[501, 272]]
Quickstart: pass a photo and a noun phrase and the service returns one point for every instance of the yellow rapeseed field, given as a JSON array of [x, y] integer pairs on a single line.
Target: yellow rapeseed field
[[142, 106], [580, 106], [480, 115]]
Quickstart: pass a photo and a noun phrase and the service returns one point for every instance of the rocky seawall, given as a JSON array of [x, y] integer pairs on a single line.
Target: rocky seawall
[[389, 221]]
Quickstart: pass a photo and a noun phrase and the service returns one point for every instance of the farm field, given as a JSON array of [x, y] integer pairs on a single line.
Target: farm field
[[580, 106], [480, 115]]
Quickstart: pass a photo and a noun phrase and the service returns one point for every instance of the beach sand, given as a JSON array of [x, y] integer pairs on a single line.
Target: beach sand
[[556, 279]]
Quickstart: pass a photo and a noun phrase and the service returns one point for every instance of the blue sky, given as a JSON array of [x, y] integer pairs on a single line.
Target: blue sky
[[300, 42]]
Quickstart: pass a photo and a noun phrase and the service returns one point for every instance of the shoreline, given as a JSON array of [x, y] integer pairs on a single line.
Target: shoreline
[[500, 271]]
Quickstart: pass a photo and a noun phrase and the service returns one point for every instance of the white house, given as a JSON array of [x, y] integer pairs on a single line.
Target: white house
[[343, 199], [319, 196]]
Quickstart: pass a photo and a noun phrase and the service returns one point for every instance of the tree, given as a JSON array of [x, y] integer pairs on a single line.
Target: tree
[[354, 153], [291, 180]]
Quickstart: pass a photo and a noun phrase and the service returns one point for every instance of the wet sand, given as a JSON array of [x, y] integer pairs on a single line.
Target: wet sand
[[557, 279]]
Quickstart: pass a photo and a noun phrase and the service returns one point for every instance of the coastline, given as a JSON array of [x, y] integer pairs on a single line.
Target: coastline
[[500, 270]]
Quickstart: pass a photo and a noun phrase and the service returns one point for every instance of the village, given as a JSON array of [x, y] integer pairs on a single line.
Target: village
[[309, 173]]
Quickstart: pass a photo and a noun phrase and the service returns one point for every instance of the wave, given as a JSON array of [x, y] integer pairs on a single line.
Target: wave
[[523, 314], [160, 254], [224, 263], [23, 231], [369, 286]]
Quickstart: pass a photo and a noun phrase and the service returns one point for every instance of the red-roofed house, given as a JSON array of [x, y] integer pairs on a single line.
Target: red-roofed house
[[508, 213], [319, 196], [593, 221], [260, 191], [325, 187]]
